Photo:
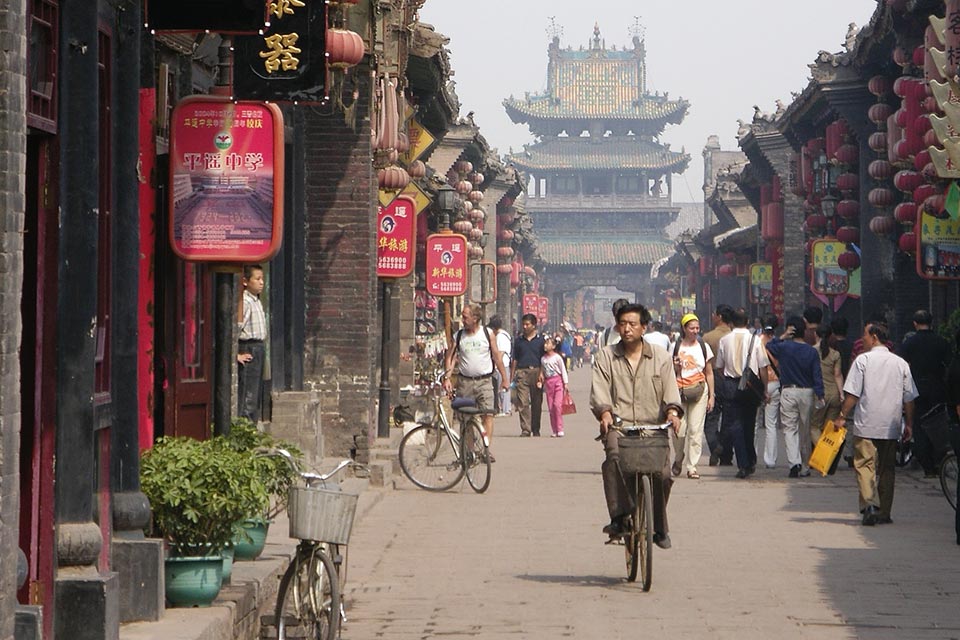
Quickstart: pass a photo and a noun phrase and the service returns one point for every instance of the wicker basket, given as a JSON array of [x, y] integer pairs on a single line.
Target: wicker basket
[[643, 454], [323, 515]]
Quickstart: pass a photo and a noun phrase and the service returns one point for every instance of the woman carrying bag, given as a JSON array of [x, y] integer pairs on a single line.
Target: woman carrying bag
[[691, 357]]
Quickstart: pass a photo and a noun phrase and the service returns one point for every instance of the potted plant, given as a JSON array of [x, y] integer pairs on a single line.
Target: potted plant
[[275, 473], [197, 491]]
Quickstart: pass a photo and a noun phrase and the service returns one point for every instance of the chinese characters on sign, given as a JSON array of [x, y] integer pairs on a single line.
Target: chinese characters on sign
[[828, 278], [543, 310], [396, 239], [761, 283], [446, 266], [531, 303], [226, 180], [288, 62], [777, 304], [938, 256]]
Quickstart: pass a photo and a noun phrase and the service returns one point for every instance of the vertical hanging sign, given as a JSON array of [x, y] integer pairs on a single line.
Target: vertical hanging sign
[[543, 310], [226, 180], [531, 303], [446, 267], [761, 283], [396, 238]]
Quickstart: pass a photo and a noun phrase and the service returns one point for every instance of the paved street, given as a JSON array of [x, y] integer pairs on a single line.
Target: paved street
[[759, 558]]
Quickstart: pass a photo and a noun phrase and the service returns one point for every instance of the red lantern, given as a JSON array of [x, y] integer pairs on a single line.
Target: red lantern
[[906, 212], [475, 234], [880, 197], [392, 178], [848, 154], [921, 160], [908, 242], [934, 205], [900, 116], [877, 141], [476, 197], [344, 48], [883, 225], [930, 105], [901, 86], [816, 222], [476, 178], [463, 167], [848, 234], [848, 182], [848, 261], [463, 187], [879, 85], [505, 252], [924, 191], [907, 181], [900, 55], [505, 269], [930, 139], [773, 225], [529, 271], [849, 209], [417, 169], [879, 112], [880, 169], [918, 53], [921, 125], [462, 226], [727, 271], [505, 235]]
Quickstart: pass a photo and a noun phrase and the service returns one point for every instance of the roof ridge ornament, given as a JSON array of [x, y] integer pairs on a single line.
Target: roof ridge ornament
[[637, 31], [554, 30]]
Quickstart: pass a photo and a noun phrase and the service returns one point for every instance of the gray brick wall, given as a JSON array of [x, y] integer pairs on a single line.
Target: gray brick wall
[[12, 168]]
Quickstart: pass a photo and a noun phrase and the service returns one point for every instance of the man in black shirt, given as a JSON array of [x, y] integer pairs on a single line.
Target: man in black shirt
[[928, 356], [525, 372], [840, 326]]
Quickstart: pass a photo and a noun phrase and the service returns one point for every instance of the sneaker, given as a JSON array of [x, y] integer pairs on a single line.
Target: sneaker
[[553, 435], [805, 473], [662, 540], [560, 434], [616, 528]]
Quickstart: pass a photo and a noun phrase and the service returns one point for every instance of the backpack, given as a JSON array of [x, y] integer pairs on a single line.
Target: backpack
[[703, 348], [486, 332]]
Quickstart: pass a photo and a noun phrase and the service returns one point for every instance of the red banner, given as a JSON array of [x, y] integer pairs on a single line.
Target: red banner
[[396, 238], [543, 309], [226, 180], [446, 267], [776, 300], [531, 303]]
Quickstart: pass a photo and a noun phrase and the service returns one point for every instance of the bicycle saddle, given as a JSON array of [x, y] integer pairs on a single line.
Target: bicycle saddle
[[459, 404]]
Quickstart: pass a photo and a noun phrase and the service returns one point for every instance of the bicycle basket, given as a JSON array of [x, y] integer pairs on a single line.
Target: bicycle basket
[[323, 515], [643, 454]]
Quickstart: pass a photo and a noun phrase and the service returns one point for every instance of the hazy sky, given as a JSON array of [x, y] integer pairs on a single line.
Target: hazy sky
[[723, 57]]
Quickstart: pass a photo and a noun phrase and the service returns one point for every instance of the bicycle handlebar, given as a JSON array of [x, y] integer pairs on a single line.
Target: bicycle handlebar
[[309, 477]]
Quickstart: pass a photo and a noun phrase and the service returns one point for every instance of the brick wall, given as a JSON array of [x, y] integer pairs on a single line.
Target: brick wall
[[341, 319], [12, 169]]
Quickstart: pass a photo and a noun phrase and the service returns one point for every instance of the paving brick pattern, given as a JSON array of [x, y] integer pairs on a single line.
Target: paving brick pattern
[[759, 558]]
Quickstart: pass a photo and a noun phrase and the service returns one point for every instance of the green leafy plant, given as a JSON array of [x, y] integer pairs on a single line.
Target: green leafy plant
[[274, 472], [199, 490]]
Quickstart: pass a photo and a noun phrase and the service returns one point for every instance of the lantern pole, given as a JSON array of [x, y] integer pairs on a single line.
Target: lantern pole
[[383, 410], [445, 200]]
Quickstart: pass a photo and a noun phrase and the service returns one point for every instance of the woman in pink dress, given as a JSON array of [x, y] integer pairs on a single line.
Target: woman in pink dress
[[554, 373]]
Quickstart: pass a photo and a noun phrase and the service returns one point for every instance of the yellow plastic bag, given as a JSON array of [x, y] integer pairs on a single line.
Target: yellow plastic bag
[[828, 447]]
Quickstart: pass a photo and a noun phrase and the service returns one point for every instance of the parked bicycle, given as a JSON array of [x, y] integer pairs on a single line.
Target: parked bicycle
[[642, 454], [948, 478], [309, 599], [435, 456]]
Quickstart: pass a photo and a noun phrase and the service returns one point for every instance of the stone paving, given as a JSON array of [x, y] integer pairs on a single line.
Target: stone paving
[[758, 558]]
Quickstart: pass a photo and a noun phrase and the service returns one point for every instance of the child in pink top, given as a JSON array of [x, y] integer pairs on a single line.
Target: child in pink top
[[554, 373]]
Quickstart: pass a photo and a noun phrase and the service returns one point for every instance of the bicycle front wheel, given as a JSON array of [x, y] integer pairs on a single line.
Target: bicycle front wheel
[[948, 479], [428, 458], [308, 601], [631, 541], [476, 457], [645, 531]]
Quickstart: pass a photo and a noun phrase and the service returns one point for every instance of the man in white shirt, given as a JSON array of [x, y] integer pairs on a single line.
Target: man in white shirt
[[505, 345], [880, 386], [657, 336], [611, 335], [739, 350]]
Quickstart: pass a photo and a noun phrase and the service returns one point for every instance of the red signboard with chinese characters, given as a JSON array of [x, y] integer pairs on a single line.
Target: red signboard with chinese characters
[[543, 309], [226, 180], [446, 266], [777, 304], [531, 303], [396, 238]]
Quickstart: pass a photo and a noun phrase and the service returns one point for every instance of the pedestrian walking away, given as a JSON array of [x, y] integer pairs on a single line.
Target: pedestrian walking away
[[475, 356], [801, 389], [555, 381], [719, 444], [881, 388], [634, 381], [505, 345], [770, 412], [525, 373], [693, 364], [831, 368]]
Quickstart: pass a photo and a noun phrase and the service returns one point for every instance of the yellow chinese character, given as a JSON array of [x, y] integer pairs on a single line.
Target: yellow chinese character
[[402, 246], [281, 52], [283, 7]]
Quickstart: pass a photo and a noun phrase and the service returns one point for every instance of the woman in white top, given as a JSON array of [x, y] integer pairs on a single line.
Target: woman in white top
[[691, 356]]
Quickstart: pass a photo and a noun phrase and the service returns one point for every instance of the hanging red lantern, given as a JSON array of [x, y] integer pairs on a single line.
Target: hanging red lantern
[[930, 139], [463, 167], [816, 222], [849, 209], [477, 216], [475, 196], [727, 271], [848, 261], [463, 187], [900, 116], [392, 178], [877, 141], [924, 191], [883, 225], [848, 181], [907, 180], [880, 169], [773, 225], [505, 252], [505, 235], [507, 217], [921, 160], [879, 85], [906, 213], [930, 105], [527, 269], [505, 269], [476, 178], [344, 48], [475, 234], [879, 112], [921, 125], [848, 234], [935, 205], [918, 53], [417, 169], [880, 197], [848, 154], [907, 242], [462, 226], [900, 55], [901, 86]]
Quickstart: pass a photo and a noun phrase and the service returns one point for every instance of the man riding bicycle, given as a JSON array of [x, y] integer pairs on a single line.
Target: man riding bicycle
[[635, 381]]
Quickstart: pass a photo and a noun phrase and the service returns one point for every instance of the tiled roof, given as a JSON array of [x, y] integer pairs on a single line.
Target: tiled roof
[[599, 153], [615, 103], [603, 251]]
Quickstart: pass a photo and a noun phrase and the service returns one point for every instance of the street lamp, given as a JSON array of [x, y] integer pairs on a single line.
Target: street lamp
[[447, 201], [828, 206]]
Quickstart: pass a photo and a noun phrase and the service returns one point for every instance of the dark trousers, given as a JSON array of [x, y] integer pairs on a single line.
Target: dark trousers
[[718, 438], [529, 400], [955, 442], [739, 420], [620, 497], [250, 380], [924, 449]]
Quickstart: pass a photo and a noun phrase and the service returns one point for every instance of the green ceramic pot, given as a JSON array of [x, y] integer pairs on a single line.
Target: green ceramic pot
[[249, 544], [227, 554], [193, 581]]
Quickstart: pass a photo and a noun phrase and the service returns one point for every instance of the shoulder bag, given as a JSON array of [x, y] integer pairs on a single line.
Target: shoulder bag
[[750, 384]]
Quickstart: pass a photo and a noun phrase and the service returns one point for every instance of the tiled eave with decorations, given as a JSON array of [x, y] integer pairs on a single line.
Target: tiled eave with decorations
[[604, 251], [647, 110], [586, 154]]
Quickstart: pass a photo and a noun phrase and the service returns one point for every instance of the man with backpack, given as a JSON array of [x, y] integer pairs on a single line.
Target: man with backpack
[[475, 355]]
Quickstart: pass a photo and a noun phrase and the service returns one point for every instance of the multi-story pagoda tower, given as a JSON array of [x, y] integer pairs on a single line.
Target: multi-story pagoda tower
[[602, 187]]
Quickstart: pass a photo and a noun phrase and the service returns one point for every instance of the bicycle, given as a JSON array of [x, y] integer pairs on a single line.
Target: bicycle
[[435, 457], [948, 478], [642, 455], [309, 598]]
